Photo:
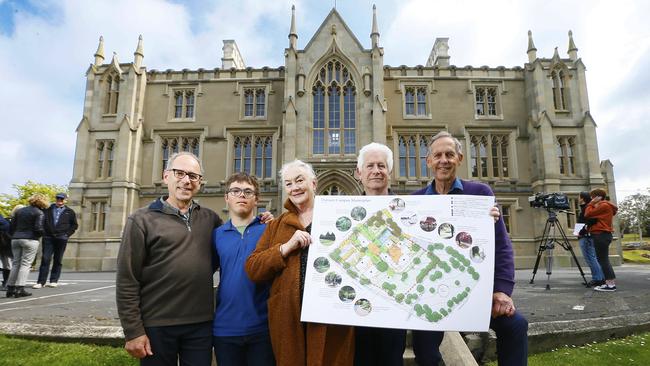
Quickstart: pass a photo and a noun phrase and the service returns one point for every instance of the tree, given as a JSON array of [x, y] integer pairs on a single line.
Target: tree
[[24, 191], [634, 213]]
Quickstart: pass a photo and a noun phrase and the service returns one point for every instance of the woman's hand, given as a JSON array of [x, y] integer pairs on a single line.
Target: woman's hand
[[300, 239]]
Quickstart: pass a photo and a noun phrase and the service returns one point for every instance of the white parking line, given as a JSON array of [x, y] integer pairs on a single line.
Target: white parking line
[[55, 295], [48, 305]]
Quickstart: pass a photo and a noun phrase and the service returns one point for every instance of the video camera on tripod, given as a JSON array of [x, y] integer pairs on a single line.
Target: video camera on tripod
[[552, 202]]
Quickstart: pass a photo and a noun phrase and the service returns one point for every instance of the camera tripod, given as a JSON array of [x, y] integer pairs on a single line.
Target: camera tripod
[[547, 244]]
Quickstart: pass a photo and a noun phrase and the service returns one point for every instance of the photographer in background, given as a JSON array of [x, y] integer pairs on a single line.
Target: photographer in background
[[601, 232], [587, 243]]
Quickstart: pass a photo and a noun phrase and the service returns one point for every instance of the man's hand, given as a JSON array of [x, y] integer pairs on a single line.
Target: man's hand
[[266, 217], [494, 212], [502, 305], [139, 347]]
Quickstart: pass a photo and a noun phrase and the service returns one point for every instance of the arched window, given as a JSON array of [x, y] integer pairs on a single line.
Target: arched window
[[112, 94], [559, 90], [333, 190], [334, 111]]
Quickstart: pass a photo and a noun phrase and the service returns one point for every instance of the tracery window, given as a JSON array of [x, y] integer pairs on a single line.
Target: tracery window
[[415, 101], [333, 190], [565, 150], [489, 156], [112, 94], [559, 90], [486, 100], [105, 158], [253, 155], [334, 97], [254, 102], [98, 215], [184, 103], [172, 145], [412, 155]]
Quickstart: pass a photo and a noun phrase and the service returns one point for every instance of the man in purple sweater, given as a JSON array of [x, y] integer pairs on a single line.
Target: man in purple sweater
[[511, 328]]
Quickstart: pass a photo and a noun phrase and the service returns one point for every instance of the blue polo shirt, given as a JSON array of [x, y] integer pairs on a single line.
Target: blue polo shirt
[[240, 304]]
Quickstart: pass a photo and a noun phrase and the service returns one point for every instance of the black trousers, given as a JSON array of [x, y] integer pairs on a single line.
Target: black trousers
[[379, 346], [601, 244], [184, 345]]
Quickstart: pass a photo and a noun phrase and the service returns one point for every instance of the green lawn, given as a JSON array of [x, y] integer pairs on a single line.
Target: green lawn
[[21, 352], [632, 350], [635, 256]]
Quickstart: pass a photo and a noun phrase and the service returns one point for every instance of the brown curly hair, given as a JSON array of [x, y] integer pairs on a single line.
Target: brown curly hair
[[39, 200]]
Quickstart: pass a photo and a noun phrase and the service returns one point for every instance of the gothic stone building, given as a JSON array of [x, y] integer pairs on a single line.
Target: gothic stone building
[[524, 129]]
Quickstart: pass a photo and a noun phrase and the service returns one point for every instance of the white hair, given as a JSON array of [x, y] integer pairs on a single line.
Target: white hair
[[374, 146], [300, 165]]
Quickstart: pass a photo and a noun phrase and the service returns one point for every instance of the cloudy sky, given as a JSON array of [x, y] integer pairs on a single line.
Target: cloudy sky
[[46, 47]]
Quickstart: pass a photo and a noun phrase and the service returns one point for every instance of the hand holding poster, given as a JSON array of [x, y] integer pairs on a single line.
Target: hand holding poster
[[409, 262]]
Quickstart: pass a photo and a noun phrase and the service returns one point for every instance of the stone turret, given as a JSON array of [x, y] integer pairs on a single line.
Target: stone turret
[[293, 35], [532, 51], [138, 55], [99, 54], [374, 33]]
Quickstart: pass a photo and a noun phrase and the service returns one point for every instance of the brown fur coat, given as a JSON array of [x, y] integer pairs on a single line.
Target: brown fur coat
[[294, 343]]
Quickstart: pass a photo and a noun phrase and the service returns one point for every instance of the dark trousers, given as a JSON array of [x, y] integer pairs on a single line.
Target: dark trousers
[[379, 346], [251, 350], [184, 345], [52, 248], [601, 244], [512, 342]]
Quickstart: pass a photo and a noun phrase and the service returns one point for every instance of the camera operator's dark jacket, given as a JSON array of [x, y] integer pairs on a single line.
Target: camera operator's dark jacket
[[583, 220], [27, 223], [65, 227]]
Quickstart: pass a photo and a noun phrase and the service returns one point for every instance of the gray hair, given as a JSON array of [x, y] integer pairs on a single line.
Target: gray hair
[[298, 164], [443, 134], [170, 162], [374, 146]]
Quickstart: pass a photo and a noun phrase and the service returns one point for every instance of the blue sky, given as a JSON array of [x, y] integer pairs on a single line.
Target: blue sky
[[46, 47]]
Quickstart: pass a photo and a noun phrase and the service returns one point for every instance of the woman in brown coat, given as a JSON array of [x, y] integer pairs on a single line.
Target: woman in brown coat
[[281, 257]]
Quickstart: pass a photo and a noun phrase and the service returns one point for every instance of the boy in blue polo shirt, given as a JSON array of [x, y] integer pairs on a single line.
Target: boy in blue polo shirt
[[240, 328]]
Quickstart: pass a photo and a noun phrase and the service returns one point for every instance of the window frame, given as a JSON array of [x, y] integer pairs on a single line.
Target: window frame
[[160, 135], [565, 152], [105, 150], [234, 132], [111, 93], [497, 89], [345, 95], [427, 86], [489, 136], [242, 89]]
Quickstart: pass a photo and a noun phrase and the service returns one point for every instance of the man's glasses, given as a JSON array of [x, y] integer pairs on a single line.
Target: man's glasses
[[180, 174], [236, 192]]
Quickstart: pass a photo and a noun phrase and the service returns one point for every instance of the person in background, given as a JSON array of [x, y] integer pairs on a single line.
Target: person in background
[[280, 258], [603, 212], [164, 288], [587, 243], [60, 224], [26, 229], [5, 251], [240, 329]]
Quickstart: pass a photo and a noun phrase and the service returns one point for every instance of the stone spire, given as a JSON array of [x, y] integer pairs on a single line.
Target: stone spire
[[532, 51], [374, 34], [573, 50], [138, 55], [99, 54], [293, 34], [556, 55]]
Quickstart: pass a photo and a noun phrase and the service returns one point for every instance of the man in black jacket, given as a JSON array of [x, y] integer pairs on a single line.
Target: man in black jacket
[[60, 224]]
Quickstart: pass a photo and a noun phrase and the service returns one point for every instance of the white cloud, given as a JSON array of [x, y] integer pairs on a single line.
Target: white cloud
[[42, 63]]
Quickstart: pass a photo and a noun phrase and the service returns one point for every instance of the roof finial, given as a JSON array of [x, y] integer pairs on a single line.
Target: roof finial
[[293, 34], [374, 35], [532, 51], [99, 54], [573, 50], [138, 55]]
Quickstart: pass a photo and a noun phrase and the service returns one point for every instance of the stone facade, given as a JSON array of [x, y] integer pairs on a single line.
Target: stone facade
[[524, 129]]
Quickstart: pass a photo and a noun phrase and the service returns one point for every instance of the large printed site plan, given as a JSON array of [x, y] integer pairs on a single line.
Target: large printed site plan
[[400, 262]]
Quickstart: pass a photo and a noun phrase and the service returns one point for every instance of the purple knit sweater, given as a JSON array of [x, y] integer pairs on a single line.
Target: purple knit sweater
[[504, 266]]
